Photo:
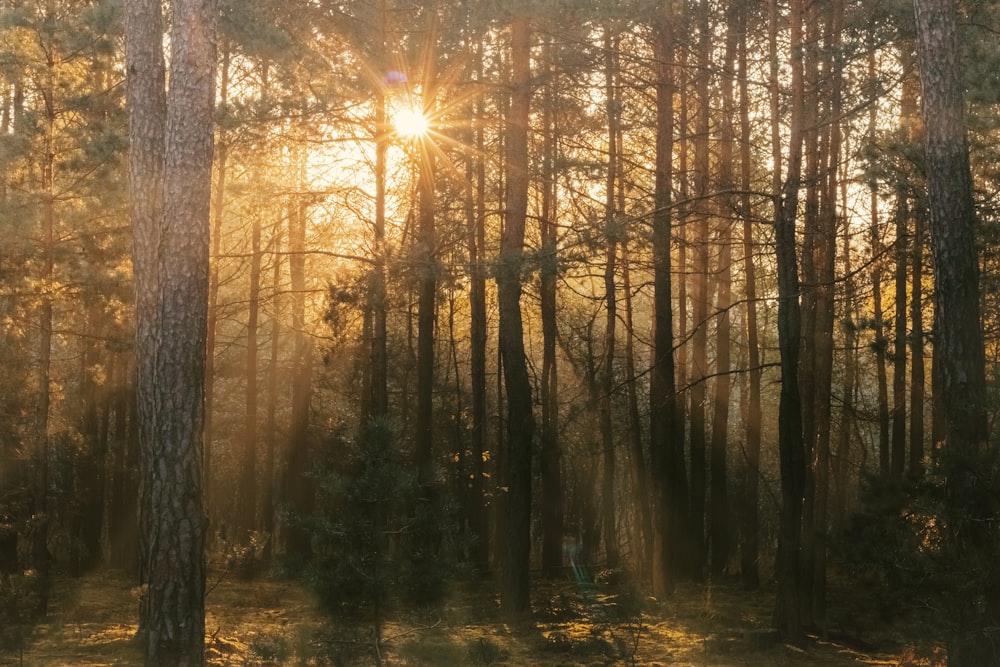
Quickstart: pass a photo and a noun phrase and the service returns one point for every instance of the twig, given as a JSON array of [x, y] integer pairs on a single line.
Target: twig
[[412, 630], [219, 580]]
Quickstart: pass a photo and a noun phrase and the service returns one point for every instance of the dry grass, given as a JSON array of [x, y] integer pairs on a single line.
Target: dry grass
[[265, 622]]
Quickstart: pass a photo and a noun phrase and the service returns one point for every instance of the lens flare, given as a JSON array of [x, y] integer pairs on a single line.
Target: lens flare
[[411, 123]]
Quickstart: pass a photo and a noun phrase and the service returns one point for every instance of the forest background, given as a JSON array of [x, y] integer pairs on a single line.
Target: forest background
[[543, 327]]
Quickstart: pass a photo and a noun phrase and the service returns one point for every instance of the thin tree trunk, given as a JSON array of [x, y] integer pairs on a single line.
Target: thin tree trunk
[[476, 234], [428, 268], [878, 323], [611, 224], [267, 523], [640, 471], [699, 351], [40, 560], [826, 256], [218, 208], [379, 391], [718, 483], [298, 490], [750, 471], [551, 454], [788, 607], [897, 458]]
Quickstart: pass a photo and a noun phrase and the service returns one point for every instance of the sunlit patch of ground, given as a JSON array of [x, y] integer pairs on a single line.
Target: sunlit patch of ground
[[265, 622]]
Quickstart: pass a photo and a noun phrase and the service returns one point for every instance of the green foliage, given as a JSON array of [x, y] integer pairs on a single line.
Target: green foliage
[[381, 540], [932, 543]]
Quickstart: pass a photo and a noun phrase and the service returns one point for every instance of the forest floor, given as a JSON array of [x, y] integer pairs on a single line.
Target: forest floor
[[91, 622]]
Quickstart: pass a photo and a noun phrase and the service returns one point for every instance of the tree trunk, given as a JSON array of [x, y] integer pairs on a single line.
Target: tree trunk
[[611, 231], [520, 419], [551, 454], [40, 560], [476, 230], [700, 297], [267, 523], [971, 634], [669, 478], [788, 607], [878, 323], [297, 487], [750, 471], [170, 168], [218, 208], [718, 477]]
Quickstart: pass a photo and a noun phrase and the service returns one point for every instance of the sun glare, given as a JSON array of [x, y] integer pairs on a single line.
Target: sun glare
[[411, 123]]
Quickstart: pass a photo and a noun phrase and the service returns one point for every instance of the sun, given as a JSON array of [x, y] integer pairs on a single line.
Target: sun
[[411, 123]]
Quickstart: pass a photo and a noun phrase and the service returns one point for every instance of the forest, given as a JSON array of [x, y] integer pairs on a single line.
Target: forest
[[556, 310]]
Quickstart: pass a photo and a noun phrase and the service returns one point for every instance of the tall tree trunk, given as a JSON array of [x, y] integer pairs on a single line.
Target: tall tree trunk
[[611, 231], [880, 342], [840, 469], [917, 377], [826, 255], [897, 458], [520, 418], [640, 472], [909, 116], [669, 477], [297, 488], [218, 209], [718, 482], [268, 509], [247, 494], [791, 449], [40, 456], [700, 298], [551, 454], [170, 168], [971, 633], [146, 101], [428, 269], [476, 234], [378, 379], [750, 470]]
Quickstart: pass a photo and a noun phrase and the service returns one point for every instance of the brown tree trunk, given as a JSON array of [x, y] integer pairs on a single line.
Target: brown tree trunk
[[718, 477], [297, 487], [750, 469], [607, 375], [476, 231], [218, 208], [520, 418], [170, 168], [973, 614], [551, 454], [40, 559], [668, 476], [700, 297], [880, 343], [788, 608]]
